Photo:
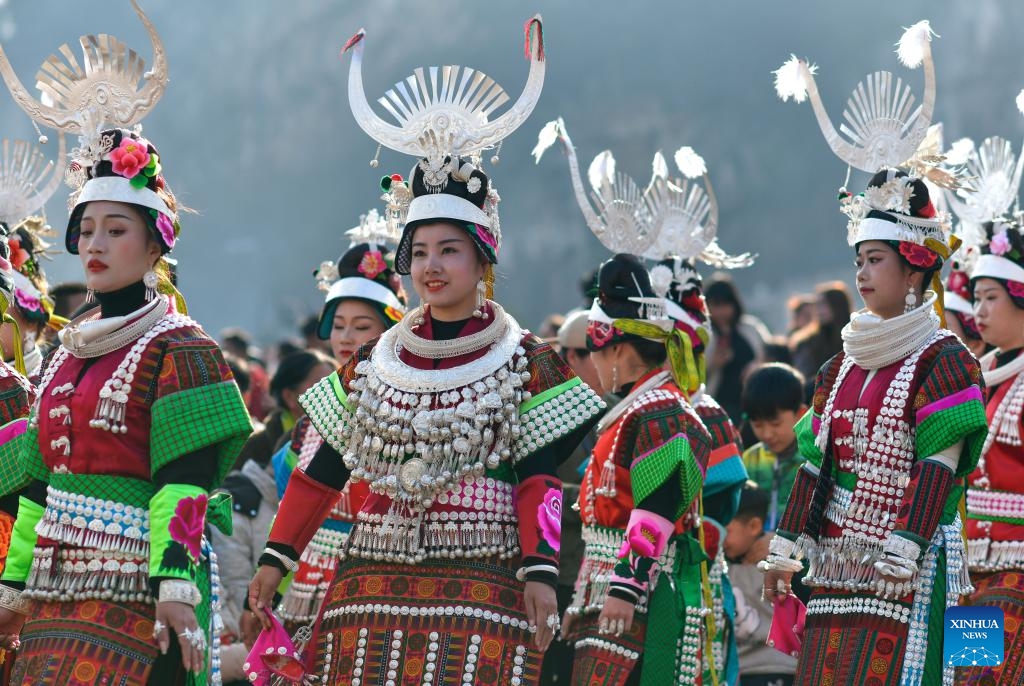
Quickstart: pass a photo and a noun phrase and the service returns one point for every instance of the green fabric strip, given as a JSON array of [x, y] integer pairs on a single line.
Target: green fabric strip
[[23, 541], [805, 438], [13, 476], [933, 660], [339, 388], [550, 393], [195, 418], [944, 428], [31, 457], [166, 556], [662, 464], [122, 489]]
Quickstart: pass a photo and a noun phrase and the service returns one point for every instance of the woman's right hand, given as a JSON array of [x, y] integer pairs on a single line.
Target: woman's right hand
[[261, 592], [777, 583], [10, 628]]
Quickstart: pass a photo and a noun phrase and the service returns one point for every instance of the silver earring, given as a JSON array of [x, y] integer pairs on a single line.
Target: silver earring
[[90, 296], [481, 300], [911, 299], [615, 379], [151, 281]]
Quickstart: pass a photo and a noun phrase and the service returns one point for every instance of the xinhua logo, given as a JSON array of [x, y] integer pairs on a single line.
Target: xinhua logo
[[973, 637]]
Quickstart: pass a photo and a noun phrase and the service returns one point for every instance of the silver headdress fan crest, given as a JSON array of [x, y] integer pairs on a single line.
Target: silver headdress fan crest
[[109, 89], [443, 116], [27, 180], [373, 229], [882, 127], [995, 173], [619, 216]]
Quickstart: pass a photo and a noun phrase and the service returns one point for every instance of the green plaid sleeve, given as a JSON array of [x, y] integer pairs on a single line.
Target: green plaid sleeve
[[198, 404], [13, 475]]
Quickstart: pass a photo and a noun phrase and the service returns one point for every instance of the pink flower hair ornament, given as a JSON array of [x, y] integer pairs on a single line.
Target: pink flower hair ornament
[[372, 264], [27, 302], [1014, 288], [130, 157], [918, 255]]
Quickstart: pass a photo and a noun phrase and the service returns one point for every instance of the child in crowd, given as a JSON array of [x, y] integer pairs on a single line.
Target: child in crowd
[[772, 402], [745, 545]]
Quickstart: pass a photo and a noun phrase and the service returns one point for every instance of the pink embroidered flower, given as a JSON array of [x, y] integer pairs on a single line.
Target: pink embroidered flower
[[26, 301], [1015, 288], [549, 517], [186, 526], [129, 158], [166, 228], [1000, 243], [917, 255], [644, 539], [957, 282], [600, 332], [372, 264], [485, 235]]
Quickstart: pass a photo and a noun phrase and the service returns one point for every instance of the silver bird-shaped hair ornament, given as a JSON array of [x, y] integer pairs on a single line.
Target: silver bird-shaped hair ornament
[[445, 112], [881, 128], [110, 88]]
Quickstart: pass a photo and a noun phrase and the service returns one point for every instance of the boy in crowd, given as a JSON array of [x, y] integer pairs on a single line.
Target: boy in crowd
[[772, 402], [746, 544]]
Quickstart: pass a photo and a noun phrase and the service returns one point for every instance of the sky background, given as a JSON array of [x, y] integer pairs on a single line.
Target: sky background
[[255, 131]]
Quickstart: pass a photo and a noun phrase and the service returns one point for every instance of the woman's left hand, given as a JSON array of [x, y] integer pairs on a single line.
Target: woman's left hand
[[616, 617], [179, 619], [541, 606]]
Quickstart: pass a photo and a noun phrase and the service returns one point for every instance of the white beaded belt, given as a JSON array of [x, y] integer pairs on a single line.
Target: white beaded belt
[[91, 522], [995, 503], [65, 574], [858, 605], [431, 611]]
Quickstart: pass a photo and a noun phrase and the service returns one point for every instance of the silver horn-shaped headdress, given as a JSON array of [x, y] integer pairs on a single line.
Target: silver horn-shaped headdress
[[27, 180], [445, 111], [882, 126], [620, 221], [103, 92]]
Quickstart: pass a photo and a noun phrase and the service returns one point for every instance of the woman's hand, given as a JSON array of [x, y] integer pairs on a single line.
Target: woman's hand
[[249, 628], [777, 583], [616, 617], [261, 592], [10, 627], [179, 619], [541, 606]]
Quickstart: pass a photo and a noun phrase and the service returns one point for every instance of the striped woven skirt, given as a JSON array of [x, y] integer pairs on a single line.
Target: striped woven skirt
[[436, 622], [91, 642], [1004, 590]]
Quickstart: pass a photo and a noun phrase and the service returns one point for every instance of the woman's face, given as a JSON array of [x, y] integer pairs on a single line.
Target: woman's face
[[1000, 322], [883, 279], [115, 246], [446, 267], [722, 313], [355, 323]]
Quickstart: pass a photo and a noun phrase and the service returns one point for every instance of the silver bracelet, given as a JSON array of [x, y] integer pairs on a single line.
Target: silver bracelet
[[898, 546], [289, 564], [782, 546], [179, 591], [523, 571], [13, 600]]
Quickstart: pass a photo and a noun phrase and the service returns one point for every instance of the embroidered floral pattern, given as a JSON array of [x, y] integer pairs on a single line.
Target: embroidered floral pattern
[[27, 302], [644, 540], [129, 158], [372, 264], [918, 255], [549, 519], [186, 526]]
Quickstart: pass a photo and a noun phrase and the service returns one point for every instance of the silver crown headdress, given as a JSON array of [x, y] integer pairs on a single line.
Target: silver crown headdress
[[103, 92], [443, 115], [672, 216], [995, 173]]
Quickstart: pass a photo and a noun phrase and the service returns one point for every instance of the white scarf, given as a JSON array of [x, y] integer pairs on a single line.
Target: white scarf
[[872, 342]]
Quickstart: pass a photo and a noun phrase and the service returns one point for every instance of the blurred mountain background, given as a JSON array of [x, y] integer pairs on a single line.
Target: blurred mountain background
[[255, 131]]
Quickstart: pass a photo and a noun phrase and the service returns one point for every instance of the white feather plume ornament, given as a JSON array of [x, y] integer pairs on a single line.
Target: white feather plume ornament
[[791, 81], [546, 138], [661, 279], [1020, 101], [659, 166], [690, 164], [911, 47], [601, 170]]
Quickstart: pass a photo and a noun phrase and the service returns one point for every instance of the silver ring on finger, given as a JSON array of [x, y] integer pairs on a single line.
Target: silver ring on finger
[[158, 627], [554, 622], [620, 626], [195, 637], [603, 627]]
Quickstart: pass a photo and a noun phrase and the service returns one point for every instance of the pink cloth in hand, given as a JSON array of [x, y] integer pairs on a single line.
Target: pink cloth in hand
[[786, 633], [274, 655]]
